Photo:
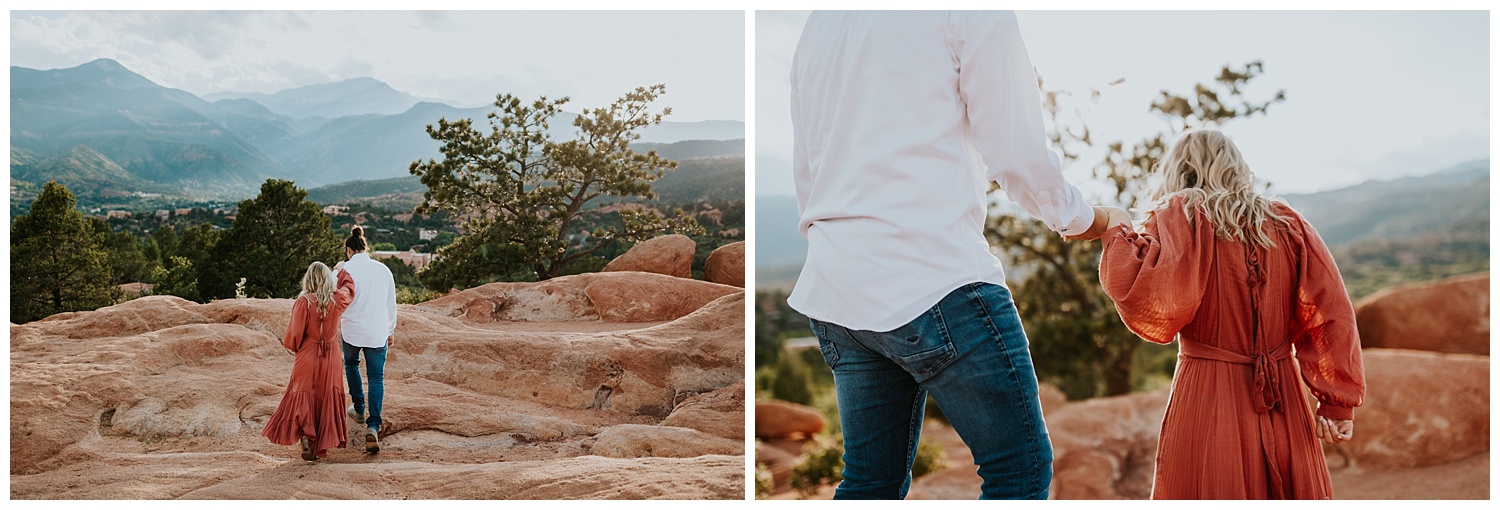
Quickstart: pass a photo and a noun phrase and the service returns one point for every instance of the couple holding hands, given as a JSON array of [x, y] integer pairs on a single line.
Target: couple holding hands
[[901, 119]]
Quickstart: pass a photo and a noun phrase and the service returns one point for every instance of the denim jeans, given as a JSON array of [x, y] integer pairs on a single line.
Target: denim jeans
[[375, 369], [970, 353]]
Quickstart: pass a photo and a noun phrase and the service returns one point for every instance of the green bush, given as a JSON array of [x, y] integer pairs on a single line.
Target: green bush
[[823, 464], [793, 381], [764, 483], [930, 459], [408, 295]]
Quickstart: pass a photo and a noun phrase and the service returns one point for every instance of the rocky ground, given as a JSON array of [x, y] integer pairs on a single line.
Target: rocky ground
[[1422, 433], [609, 385]]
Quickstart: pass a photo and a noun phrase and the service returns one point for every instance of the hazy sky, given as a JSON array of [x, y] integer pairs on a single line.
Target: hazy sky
[[1370, 95], [463, 58]]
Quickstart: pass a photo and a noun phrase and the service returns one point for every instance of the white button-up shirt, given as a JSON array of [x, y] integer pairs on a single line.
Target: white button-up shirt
[[899, 120], [371, 318]]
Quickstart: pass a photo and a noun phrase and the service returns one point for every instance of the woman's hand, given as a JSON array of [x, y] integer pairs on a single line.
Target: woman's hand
[[338, 267], [1334, 431]]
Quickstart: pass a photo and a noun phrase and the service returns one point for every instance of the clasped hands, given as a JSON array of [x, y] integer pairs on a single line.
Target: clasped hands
[[1105, 218]]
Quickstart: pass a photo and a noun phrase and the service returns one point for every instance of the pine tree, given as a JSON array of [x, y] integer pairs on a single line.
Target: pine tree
[[525, 194], [274, 238], [56, 261]]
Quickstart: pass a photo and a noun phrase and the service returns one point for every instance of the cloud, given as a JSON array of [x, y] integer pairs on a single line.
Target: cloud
[[436, 21]]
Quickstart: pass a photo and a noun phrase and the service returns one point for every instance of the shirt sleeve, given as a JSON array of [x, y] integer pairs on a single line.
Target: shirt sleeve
[[1157, 277], [801, 171], [343, 295], [1326, 335], [295, 328], [999, 89], [391, 304]]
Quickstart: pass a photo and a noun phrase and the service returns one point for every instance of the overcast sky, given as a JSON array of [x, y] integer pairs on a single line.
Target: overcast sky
[[1370, 95], [462, 58]]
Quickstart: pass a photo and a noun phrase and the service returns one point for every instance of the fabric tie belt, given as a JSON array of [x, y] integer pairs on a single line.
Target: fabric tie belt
[[1265, 394]]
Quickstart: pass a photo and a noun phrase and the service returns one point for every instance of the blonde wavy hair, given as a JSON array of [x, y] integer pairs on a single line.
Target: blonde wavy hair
[[1206, 167], [318, 281]]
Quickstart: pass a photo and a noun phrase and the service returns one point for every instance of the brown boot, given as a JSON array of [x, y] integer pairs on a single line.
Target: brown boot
[[307, 453]]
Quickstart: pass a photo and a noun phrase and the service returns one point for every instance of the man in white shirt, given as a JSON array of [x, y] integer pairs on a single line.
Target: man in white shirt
[[900, 120], [368, 327]]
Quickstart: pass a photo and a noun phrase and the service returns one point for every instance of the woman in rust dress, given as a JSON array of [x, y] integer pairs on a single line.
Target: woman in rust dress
[[1252, 293], [312, 410]]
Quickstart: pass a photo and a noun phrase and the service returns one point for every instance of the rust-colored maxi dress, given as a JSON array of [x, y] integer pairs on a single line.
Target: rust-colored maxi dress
[[1237, 425], [313, 404]]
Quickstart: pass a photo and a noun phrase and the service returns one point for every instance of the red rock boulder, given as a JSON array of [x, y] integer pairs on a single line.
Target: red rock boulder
[[1105, 448], [781, 419], [1451, 315], [726, 265], [1421, 409], [670, 255]]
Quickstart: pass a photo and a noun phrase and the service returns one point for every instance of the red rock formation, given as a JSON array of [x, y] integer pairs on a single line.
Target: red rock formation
[[780, 419], [1451, 315], [670, 255], [1421, 409], [1105, 448], [163, 398], [615, 297], [726, 265], [633, 441], [720, 412]]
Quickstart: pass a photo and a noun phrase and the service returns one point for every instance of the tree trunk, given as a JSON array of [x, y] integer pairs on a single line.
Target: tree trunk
[[1117, 376]]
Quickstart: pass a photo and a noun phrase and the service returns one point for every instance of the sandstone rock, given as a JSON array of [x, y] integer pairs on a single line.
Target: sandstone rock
[[617, 297], [633, 441], [1421, 409], [720, 412], [558, 299], [780, 462], [1105, 448], [1051, 397], [640, 297], [164, 398], [726, 265], [1451, 315], [670, 255], [779, 419]]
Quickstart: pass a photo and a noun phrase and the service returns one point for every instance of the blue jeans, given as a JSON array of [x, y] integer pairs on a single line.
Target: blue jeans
[[970, 353], [375, 368]]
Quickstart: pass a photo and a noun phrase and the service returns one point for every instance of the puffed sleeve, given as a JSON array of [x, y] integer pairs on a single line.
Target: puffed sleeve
[[343, 295], [1325, 333], [295, 328], [1157, 277]]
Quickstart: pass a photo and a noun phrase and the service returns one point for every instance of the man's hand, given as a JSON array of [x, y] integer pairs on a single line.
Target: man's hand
[[390, 341], [1334, 431]]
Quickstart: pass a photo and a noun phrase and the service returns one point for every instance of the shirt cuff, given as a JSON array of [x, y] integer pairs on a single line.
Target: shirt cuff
[[1079, 224]]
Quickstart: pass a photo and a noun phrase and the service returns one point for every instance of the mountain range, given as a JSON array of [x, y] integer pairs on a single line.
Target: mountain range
[[1408, 218], [103, 126]]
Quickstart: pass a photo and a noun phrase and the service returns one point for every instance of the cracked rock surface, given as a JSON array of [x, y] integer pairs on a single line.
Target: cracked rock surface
[[502, 391]]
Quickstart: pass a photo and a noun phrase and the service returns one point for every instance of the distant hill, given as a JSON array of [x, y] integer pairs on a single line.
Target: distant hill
[[689, 149], [100, 73], [170, 140], [404, 192], [700, 179], [354, 96], [720, 177], [1381, 233], [1400, 208]]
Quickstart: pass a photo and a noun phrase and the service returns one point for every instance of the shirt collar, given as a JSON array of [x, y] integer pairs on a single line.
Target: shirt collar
[[365, 255]]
